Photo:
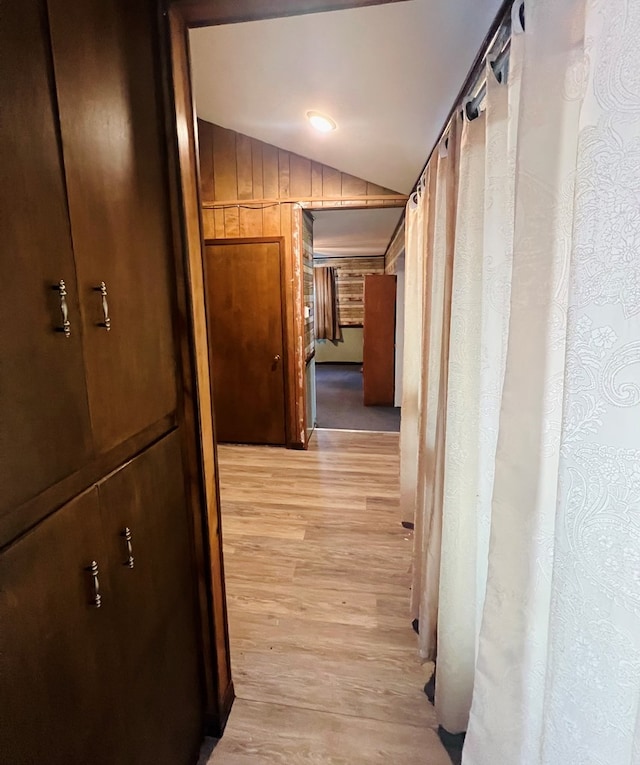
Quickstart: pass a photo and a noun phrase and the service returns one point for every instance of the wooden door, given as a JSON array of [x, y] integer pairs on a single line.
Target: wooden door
[[60, 693], [44, 430], [146, 529], [246, 348], [112, 143], [378, 367]]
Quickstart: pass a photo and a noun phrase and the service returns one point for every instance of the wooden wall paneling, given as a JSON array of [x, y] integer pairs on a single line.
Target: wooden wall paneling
[[224, 163], [284, 174], [257, 169], [290, 324], [374, 190], [300, 185], [244, 167], [251, 218], [297, 252], [350, 275], [316, 179], [395, 249], [232, 222], [270, 172], [197, 410], [218, 223], [205, 154], [352, 187], [309, 298], [331, 185], [208, 223]]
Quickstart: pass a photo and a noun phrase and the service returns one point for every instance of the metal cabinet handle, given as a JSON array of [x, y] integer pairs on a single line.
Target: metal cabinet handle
[[126, 535], [102, 289], [96, 600], [64, 309], [275, 362]]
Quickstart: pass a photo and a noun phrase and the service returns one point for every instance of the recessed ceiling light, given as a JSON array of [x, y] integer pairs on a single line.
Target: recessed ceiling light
[[321, 122]]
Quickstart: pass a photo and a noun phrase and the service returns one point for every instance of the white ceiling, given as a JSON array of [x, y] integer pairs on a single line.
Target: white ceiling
[[388, 75], [353, 233]]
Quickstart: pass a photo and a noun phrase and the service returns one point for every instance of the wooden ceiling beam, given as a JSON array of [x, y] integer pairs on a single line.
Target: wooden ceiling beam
[[203, 13]]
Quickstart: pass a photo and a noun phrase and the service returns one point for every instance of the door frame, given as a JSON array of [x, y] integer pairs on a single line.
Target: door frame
[[174, 19], [280, 241]]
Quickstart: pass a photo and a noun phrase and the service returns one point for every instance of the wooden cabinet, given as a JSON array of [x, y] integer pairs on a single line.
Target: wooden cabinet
[[378, 367], [44, 431], [57, 650], [93, 438], [118, 682], [111, 124], [154, 603]]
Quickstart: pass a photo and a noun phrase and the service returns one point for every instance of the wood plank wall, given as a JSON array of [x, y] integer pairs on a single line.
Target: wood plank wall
[[235, 172], [309, 298], [350, 273], [394, 250]]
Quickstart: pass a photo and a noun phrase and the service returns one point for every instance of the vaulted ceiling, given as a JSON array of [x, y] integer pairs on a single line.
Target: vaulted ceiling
[[388, 75]]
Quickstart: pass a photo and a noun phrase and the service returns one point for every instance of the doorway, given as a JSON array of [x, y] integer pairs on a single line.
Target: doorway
[[352, 242]]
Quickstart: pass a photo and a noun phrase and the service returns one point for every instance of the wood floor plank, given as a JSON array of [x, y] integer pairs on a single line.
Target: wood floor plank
[[318, 576], [272, 734]]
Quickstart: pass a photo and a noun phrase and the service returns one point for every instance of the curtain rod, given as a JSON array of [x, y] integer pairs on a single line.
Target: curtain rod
[[502, 19]]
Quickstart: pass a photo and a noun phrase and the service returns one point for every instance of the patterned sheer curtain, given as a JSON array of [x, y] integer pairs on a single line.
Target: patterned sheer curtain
[[327, 326], [536, 612]]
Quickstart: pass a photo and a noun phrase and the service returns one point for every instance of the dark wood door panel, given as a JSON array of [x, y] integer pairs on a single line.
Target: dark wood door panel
[[44, 427], [378, 378], [155, 603], [112, 141], [58, 688], [246, 348]]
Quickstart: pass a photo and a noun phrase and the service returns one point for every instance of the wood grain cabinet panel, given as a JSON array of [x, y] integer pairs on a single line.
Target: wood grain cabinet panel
[[44, 421], [114, 684], [59, 693], [154, 605], [111, 127]]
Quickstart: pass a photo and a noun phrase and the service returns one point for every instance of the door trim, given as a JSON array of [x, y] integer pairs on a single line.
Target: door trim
[[288, 361]]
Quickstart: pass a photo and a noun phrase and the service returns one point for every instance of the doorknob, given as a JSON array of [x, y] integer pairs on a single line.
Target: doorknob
[[276, 361]]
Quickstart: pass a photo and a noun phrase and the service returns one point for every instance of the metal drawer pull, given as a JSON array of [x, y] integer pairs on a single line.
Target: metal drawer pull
[[64, 309], [126, 535], [96, 600], [102, 289]]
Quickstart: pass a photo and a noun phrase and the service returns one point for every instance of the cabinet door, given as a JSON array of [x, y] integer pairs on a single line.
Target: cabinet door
[[44, 429], [153, 586], [56, 647], [111, 138]]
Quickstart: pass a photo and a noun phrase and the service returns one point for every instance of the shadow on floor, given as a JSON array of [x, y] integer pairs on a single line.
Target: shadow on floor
[[339, 401]]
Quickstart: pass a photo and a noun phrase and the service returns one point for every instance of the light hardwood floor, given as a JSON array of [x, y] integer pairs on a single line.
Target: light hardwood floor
[[317, 571]]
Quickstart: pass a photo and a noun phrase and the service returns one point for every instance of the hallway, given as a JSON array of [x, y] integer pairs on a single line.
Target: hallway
[[324, 658]]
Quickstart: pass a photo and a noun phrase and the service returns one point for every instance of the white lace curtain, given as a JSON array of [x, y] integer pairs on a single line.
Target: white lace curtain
[[526, 496]]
